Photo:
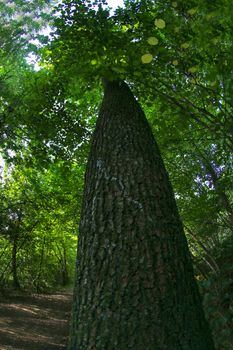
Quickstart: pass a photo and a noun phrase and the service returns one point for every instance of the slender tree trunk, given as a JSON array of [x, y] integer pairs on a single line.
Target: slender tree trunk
[[16, 284], [135, 287], [65, 274], [39, 273]]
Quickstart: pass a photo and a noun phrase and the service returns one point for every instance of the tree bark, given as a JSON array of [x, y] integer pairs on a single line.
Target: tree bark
[[135, 287]]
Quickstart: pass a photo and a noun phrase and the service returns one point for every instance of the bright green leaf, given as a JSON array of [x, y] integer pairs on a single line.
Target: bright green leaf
[[152, 40], [147, 58], [192, 11], [192, 69], [184, 45], [160, 23]]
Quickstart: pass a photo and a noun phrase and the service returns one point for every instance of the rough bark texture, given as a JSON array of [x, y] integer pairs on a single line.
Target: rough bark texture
[[135, 287]]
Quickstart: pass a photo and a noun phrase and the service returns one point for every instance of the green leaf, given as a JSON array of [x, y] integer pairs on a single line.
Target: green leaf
[[147, 58], [160, 23]]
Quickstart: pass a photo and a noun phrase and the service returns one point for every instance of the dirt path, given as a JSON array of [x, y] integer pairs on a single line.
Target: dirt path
[[36, 322]]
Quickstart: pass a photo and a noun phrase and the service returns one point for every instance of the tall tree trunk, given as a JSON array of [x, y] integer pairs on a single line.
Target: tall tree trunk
[[135, 287]]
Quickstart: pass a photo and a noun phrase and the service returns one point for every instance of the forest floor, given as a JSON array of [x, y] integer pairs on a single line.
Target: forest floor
[[35, 322]]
